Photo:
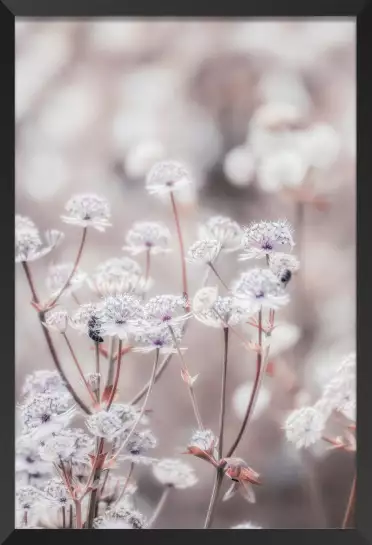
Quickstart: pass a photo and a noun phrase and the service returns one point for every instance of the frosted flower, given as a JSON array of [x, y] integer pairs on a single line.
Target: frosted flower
[[57, 493], [121, 512], [28, 461], [226, 231], [204, 251], [259, 287], [165, 309], [105, 424], [224, 312], [283, 265], [105, 523], [56, 320], [285, 168], [167, 176], [340, 393], [126, 413], [58, 276], [42, 382], [264, 238], [147, 236], [174, 472], [67, 445], [45, 414], [28, 243], [204, 299], [304, 426], [246, 526], [157, 337], [88, 210], [239, 166], [27, 497], [119, 313]]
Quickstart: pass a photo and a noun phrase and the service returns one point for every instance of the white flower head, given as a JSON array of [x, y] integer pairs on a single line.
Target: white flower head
[[224, 312], [283, 337], [239, 166], [28, 460], [105, 424], [56, 320], [227, 231], [203, 444], [140, 443], [174, 472], [246, 526], [204, 299], [69, 445], [283, 265], [165, 309], [88, 210], [157, 336], [119, 312], [43, 382], [117, 275], [45, 414], [123, 513], [264, 238], [167, 176], [106, 523], [57, 493], [340, 393], [87, 318], [241, 396], [321, 145], [304, 426], [147, 236], [28, 497], [58, 276], [28, 243], [204, 251], [259, 287]]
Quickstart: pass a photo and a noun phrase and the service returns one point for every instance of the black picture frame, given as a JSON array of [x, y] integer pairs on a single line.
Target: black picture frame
[[362, 11]]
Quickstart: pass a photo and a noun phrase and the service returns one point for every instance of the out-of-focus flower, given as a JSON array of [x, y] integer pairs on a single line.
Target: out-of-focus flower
[[204, 251], [283, 337], [28, 461], [28, 497], [122, 514], [87, 318], [224, 312], [28, 243], [106, 523], [226, 231], [88, 210], [57, 493], [167, 176], [340, 393], [239, 166], [117, 275], [119, 313], [276, 116], [174, 472], [140, 443], [243, 476], [71, 445], [151, 337], [286, 168], [304, 426], [147, 236], [165, 309], [263, 238], [43, 382], [259, 287], [204, 299], [56, 320], [141, 157], [58, 276], [320, 145], [246, 526], [241, 398]]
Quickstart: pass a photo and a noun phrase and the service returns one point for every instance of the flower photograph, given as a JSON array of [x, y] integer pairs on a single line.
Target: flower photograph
[[185, 305]]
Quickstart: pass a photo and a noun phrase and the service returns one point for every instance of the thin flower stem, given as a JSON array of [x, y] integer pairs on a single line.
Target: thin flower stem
[[98, 371], [76, 264], [72, 352], [350, 505], [50, 344], [125, 486], [160, 506], [96, 471], [148, 264], [79, 522], [117, 376], [143, 408], [188, 380], [182, 250], [111, 366], [213, 268], [219, 471], [255, 390], [159, 372], [63, 517], [71, 517]]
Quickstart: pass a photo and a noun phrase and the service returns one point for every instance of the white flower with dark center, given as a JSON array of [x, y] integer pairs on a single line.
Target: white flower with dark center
[[127, 414], [157, 337], [58, 276], [105, 424], [167, 176], [43, 382], [304, 426], [56, 320], [28, 243], [88, 210], [119, 313], [259, 287], [165, 309], [204, 251], [147, 236], [140, 442], [28, 461], [223, 313], [283, 265], [121, 512], [28, 497], [57, 493], [69, 445], [246, 526], [226, 231], [106, 523], [174, 472], [340, 393], [264, 238], [45, 414]]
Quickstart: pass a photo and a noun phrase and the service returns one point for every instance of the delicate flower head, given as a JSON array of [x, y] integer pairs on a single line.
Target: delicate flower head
[[58, 276], [56, 492], [118, 275], [147, 236], [27, 497], [226, 231], [283, 265], [246, 526], [140, 442], [71, 445], [43, 382], [45, 414], [259, 287], [165, 309], [340, 393], [263, 238], [126, 413], [204, 251], [28, 460], [106, 523], [167, 176], [105, 424], [87, 319], [157, 337], [204, 299], [28, 243], [121, 512], [224, 312], [56, 320], [118, 314], [203, 444], [304, 426], [88, 210], [174, 472]]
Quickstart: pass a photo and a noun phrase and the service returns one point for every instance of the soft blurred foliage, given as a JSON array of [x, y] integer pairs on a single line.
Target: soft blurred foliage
[[97, 102]]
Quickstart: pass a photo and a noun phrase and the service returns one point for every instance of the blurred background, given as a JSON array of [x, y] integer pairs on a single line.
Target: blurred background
[[263, 114]]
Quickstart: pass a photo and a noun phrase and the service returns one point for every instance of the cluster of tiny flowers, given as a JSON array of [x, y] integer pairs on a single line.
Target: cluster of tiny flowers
[[69, 445], [42, 382], [121, 513], [223, 312], [28, 243], [204, 251], [57, 493], [259, 287], [56, 320], [60, 274], [165, 309], [340, 393], [118, 314], [147, 236], [29, 466], [162, 337], [223, 229], [88, 210], [118, 275], [174, 472], [263, 238], [305, 426], [166, 177]]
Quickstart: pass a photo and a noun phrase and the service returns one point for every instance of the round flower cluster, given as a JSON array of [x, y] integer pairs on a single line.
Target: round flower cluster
[[147, 236], [263, 238], [259, 287], [88, 210], [174, 472], [223, 229], [28, 243], [166, 177]]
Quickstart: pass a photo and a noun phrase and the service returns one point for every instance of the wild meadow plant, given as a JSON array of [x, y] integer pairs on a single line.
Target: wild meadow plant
[[75, 472]]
